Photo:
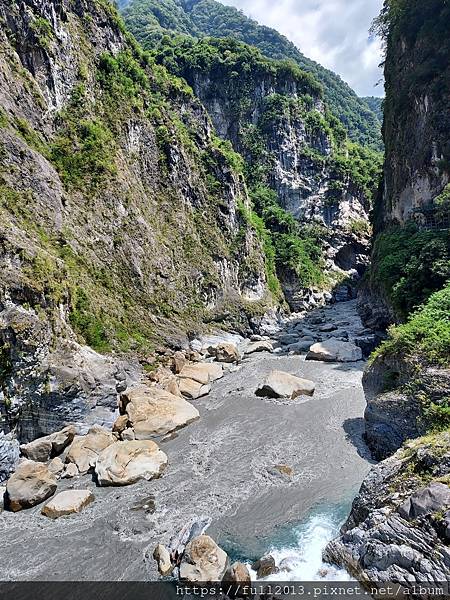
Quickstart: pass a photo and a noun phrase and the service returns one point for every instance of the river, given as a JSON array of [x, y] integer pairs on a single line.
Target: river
[[225, 467]]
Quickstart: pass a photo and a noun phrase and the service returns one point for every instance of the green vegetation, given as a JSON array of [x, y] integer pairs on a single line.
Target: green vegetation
[[292, 247], [43, 32], [410, 265], [149, 20], [426, 333], [83, 153]]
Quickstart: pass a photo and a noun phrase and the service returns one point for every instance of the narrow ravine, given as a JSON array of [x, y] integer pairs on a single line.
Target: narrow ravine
[[260, 470]]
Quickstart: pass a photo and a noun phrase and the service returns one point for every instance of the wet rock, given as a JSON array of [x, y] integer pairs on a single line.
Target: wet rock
[[193, 389], [155, 412], [433, 498], [264, 567], [9, 455], [259, 346], [84, 450], [203, 561], [367, 343], [31, 484], [299, 348], [67, 503], [70, 471], [279, 384], [43, 448], [333, 350], [162, 556], [288, 338], [237, 579], [285, 470], [124, 463], [227, 353], [327, 328]]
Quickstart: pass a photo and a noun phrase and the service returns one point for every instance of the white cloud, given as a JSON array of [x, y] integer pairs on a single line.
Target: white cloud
[[334, 33]]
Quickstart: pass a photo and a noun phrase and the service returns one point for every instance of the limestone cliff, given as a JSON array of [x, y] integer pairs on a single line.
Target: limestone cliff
[[122, 217], [274, 115], [398, 528]]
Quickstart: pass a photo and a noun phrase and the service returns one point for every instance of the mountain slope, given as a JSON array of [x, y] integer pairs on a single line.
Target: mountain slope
[[147, 18], [121, 213]]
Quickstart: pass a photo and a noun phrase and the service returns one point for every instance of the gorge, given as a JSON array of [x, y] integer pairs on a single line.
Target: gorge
[[183, 216]]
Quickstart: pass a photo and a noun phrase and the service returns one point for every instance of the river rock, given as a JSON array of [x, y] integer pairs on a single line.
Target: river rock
[[120, 424], [333, 350], [56, 466], [124, 463], [299, 347], [203, 561], [279, 384], [202, 372], [155, 412], [288, 338], [84, 450], [9, 455], [178, 361], [67, 503], [265, 566], [226, 353], [31, 484], [433, 498], [237, 579], [70, 471], [42, 449], [162, 556], [327, 328], [193, 389], [259, 346]]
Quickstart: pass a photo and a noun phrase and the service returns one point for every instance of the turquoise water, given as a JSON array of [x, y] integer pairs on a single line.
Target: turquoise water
[[297, 548]]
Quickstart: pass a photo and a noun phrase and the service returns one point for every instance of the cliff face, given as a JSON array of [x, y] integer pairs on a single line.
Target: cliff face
[[416, 124], [398, 529], [275, 117], [118, 208]]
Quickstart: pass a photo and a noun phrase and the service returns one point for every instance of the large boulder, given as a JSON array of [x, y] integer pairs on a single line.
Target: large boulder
[[202, 372], [9, 455], [279, 384], [155, 412], [237, 581], [124, 463], [49, 446], [435, 497], [67, 503], [84, 450], [31, 484], [259, 346], [265, 566], [203, 561], [193, 389], [333, 350], [227, 353]]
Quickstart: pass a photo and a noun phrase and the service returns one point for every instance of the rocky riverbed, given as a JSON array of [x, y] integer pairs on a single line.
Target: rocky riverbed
[[252, 465]]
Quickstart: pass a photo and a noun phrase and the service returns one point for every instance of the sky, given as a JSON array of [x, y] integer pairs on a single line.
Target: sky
[[334, 33]]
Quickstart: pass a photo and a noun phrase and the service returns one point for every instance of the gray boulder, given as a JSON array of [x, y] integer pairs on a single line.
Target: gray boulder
[[433, 498]]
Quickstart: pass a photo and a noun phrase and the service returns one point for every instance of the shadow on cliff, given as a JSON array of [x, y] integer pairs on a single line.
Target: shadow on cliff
[[355, 429]]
